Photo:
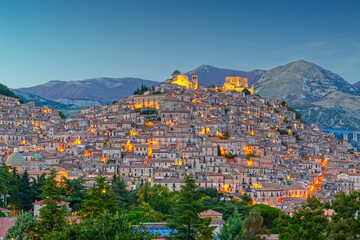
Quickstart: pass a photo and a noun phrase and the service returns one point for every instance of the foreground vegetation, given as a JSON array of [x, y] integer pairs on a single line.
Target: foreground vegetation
[[108, 211]]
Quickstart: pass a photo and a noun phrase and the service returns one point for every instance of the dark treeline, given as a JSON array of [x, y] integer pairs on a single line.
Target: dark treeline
[[4, 90]]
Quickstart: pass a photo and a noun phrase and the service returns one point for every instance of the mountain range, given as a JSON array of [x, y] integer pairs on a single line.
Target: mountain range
[[320, 95], [103, 90]]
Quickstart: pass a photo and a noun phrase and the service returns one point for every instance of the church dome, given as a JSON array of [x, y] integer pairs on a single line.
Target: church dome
[[37, 156], [176, 72], [15, 159]]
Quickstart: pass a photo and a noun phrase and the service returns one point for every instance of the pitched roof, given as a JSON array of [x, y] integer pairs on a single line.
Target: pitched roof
[[5, 224], [209, 213]]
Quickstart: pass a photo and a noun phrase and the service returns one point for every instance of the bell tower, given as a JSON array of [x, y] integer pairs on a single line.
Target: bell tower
[[195, 81]]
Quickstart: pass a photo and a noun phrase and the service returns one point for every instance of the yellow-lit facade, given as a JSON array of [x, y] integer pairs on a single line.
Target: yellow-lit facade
[[146, 101], [236, 84], [183, 80]]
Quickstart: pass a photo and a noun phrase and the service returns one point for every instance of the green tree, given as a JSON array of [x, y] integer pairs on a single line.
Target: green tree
[[210, 192], [37, 185], [23, 228], [105, 226], [204, 231], [246, 198], [185, 222], [269, 214], [230, 156], [149, 112], [144, 213], [246, 91], [283, 104], [345, 223], [233, 228], [74, 192], [228, 208], [118, 187], [4, 90], [10, 186], [144, 193], [160, 199], [307, 222], [142, 89], [53, 213], [250, 155], [2, 214], [3, 185], [25, 192], [254, 226], [62, 115], [282, 131], [100, 198]]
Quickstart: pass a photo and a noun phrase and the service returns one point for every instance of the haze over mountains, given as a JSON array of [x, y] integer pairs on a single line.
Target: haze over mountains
[[317, 93]]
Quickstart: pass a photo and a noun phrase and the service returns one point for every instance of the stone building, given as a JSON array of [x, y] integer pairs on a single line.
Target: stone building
[[237, 84], [183, 80]]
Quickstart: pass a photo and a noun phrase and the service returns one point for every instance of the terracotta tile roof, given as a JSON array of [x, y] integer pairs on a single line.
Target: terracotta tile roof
[[5, 224], [41, 201], [209, 213]]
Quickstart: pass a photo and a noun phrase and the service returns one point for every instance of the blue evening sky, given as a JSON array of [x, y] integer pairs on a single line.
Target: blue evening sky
[[80, 39]]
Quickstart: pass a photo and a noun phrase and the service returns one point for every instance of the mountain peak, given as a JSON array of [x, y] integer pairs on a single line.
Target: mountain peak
[[301, 62], [357, 85], [301, 82], [204, 67]]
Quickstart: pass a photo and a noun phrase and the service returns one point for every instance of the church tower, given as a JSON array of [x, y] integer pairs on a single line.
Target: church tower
[[195, 81]]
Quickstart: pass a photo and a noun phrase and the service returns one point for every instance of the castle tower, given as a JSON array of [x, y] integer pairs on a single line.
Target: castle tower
[[195, 81]]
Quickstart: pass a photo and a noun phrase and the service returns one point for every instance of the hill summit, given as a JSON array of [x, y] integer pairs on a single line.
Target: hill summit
[[301, 82]]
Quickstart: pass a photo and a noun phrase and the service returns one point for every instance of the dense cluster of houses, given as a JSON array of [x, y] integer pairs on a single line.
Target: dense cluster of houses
[[237, 143]]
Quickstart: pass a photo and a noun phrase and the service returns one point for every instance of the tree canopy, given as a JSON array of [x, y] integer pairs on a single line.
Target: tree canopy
[[108, 209]]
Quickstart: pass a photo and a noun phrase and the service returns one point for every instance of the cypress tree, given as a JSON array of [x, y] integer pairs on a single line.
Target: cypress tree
[[186, 223], [52, 214], [25, 191]]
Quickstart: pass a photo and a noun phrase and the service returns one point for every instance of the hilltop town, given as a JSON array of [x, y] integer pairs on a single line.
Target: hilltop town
[[227, 137]]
